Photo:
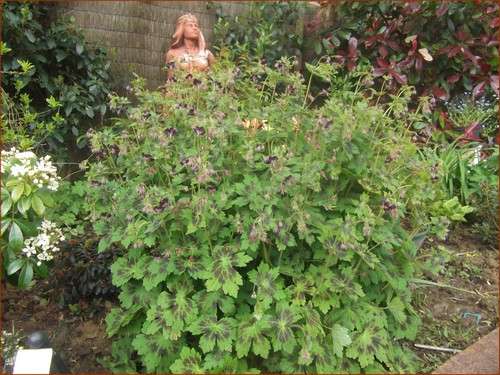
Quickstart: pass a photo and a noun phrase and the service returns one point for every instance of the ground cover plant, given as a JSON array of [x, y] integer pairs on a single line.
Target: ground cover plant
[[262, 232]]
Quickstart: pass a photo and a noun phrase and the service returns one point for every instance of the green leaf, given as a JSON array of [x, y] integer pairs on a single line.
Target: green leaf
[[29, 35], [179, 308], [16, 239], [79, 48], [208, 302], [154, 349], [124, 269], [27, 227], [214, 332], [340, 339], [46, 196], [367, 344], [284, 337], [16, 265], [119, 318], [269, 286], [25, 276], [6, 221], [222, 273], [156, 272], [17, 192], [314, 326], [6, 205], [190, 362], [397, 308], [134, 293], [251, 334], [37, 204], [24, 204]]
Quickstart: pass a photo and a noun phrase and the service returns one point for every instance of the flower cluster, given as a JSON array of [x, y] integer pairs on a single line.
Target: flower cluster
[[26, 166], [44, 244]]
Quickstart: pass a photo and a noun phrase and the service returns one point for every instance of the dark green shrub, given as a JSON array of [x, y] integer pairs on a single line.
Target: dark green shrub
[[267, 30], [66, 67], [87, 274]]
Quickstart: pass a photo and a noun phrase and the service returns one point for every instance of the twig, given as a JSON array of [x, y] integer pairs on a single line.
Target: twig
[[429, 347]]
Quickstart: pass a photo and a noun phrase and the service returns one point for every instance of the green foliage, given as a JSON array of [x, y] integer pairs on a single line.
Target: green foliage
[[262, 233], [483, 193], [266, 30], [52, 63], [11, 343]]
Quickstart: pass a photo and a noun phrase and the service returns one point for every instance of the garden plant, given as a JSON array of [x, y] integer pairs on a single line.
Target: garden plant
[[262, 232], [260, 217]]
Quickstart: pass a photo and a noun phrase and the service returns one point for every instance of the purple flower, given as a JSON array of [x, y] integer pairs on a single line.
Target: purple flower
[[192, 112], [162, 205], [189, 76], [170, 65], [170, 132], [180, 105], [386, 206], [199, 130], [270, 160], [196, 82], [388, 159], [147, 157], [172, 79]]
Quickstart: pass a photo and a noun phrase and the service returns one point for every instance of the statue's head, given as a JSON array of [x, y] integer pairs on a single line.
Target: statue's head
[[178, 37]]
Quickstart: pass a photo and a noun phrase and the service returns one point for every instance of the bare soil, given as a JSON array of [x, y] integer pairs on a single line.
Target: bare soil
[[451, 318]]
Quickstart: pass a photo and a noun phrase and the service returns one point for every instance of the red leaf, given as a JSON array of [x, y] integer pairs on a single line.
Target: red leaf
[[372, 40], [470, 56], [454, 50], [419, 65], [394, 45], [351, 64], [494, 22], [377, 72], [401, 78], [382, 63], [461, 35], [442, 9], [454, 78], [469, 130], [479, 89], [444, 49], [494, 83], [440, 93], [383, 50]]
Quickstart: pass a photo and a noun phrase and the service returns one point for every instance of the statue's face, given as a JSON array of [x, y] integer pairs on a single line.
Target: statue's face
[[191, 30]]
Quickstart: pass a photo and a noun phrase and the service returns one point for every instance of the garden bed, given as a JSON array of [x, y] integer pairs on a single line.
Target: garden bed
[[78, 333]]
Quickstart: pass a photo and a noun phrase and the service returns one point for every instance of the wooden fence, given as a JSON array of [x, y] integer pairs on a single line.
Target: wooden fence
[[138, 33]]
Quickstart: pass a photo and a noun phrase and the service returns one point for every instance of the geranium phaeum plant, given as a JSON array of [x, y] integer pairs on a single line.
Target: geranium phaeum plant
[[264, 226]]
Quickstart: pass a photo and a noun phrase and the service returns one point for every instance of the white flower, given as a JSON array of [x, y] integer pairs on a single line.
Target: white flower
[[25, 166], [43, 246]]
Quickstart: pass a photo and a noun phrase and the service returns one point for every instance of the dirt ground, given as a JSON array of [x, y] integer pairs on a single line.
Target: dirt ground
[[451, 318]]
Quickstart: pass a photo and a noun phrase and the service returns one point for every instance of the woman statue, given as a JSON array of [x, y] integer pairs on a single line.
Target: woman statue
[[187, 51]]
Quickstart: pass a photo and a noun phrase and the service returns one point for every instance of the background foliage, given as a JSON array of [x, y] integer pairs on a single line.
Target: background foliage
[[65, 68]]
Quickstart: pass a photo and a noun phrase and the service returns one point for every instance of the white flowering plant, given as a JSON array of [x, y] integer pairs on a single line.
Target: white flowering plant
[[28, 240]]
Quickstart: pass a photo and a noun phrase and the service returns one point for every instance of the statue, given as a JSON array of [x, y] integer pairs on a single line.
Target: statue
[[187, 51]]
